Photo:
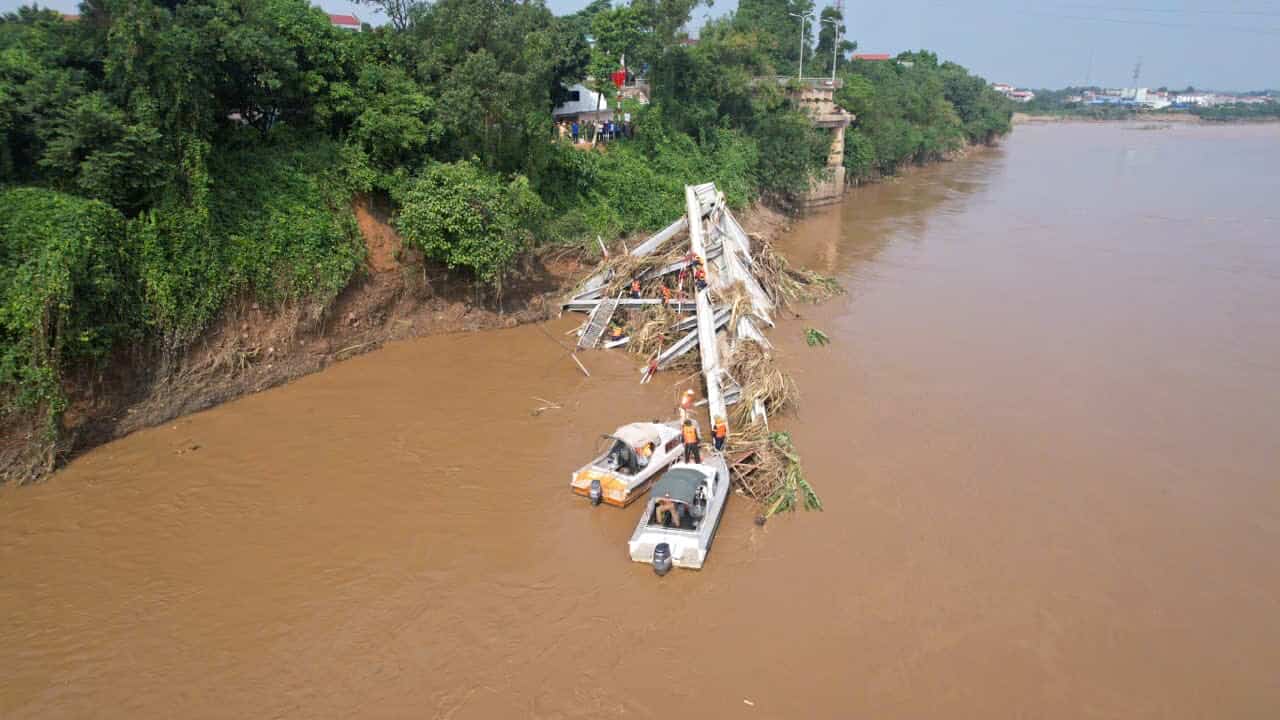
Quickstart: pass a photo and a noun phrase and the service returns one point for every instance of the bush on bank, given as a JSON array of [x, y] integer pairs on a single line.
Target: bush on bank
[[67, 291]]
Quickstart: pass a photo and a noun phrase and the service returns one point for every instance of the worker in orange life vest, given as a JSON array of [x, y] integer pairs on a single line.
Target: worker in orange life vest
[[666, 294], [700, 278], [616, 332], [686, 403], [691, 449], [720, 433]]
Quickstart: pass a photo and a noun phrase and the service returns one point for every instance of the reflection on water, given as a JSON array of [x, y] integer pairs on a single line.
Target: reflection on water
[[1044, 436]]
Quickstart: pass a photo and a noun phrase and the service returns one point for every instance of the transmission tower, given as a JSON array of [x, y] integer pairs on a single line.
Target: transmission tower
[[1137, 70]]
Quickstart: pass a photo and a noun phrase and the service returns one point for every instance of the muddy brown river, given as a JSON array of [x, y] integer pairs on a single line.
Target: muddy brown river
[[1045, 433]]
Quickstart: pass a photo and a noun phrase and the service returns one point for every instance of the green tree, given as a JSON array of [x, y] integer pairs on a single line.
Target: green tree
[[465, 217], [778, 31]]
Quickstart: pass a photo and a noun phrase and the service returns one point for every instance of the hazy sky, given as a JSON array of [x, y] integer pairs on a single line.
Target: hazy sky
[[1227, 45]]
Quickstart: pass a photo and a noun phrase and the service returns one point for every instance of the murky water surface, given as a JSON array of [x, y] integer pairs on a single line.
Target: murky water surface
[[1045, 433]]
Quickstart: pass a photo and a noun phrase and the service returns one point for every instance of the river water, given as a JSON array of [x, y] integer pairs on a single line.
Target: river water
[[1045, 435]]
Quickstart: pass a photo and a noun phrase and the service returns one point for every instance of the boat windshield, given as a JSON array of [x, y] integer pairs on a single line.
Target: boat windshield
[[622, 458]]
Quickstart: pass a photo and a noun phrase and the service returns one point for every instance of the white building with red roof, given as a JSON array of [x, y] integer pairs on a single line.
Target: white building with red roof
[[346, 22]]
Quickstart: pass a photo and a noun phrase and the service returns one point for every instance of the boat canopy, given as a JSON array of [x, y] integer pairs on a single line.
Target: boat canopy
[[638, 434], [680, 483]]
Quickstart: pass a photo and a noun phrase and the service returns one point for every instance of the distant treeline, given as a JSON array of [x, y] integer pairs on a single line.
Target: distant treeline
[[1062, 102], [1239, 112], [159, 157]]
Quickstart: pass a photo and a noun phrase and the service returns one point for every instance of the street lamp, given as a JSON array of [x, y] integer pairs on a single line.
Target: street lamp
[[803, 18], [835, 43]]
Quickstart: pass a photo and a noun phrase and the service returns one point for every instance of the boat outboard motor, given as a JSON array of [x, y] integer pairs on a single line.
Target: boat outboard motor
[[596, 493], [662, 559]]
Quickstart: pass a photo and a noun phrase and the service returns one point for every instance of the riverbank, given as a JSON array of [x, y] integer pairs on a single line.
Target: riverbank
[[252, 347], [1179, 118], [1039, 119]]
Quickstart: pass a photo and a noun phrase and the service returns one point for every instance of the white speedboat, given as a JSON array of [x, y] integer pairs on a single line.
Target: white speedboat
[[692, 496], [633, 456]]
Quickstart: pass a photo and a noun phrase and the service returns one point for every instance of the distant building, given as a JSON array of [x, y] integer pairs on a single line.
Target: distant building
[[1022, 96], [872, 57], [583, 104], [1198, 99], [346, 22], [1002, 88]]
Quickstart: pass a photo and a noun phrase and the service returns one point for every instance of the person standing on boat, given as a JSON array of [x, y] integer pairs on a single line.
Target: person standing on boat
[[691, 449], [721, 432]]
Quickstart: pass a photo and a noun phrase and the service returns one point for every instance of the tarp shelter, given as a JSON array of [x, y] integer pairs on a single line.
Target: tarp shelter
[[638, 434], [680, 483]]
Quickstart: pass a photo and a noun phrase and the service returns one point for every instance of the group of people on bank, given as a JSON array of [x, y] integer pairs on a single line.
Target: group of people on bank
[[592, 131]]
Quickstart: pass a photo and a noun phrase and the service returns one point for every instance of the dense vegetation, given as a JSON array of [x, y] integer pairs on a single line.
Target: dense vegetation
[[914, 109], [159, 157], [1239, 111]]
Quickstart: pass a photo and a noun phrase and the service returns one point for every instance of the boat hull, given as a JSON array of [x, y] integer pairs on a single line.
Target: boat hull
[[689, 548], [634, 494], [620, 489]]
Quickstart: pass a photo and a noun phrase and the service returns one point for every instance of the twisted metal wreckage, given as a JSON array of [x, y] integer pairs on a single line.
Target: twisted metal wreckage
[[737, 292]]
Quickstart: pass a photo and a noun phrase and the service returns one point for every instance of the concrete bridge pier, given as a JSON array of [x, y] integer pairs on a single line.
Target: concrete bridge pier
[[816, 97]]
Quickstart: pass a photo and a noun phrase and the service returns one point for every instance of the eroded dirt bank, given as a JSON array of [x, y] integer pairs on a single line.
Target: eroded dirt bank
[[252, 347]]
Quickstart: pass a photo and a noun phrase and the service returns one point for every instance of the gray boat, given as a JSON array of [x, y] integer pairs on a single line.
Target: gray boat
[[698, 493]]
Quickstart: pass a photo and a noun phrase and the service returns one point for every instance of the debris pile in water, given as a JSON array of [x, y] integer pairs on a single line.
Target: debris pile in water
[[656, 287]]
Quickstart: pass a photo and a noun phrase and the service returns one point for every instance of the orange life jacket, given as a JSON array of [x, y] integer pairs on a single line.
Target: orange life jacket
[[700, 273], [666, 293], [616, 332], [721, 430], [690, 435]]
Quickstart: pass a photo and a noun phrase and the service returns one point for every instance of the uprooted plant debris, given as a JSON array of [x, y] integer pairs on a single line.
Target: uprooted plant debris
[[765, 465]]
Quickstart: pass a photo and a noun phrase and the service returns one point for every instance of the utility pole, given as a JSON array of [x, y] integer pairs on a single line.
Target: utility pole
[[803, 19]]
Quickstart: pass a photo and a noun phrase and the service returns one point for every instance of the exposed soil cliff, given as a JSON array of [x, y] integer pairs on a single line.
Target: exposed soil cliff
[[252, 347]]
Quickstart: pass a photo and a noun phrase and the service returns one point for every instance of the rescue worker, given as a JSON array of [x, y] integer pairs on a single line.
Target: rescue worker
[[635, 288], [691, 449], [700, 278], [667, 509], [721, 432], [616, 332], [666, 294], [646, 452], [686, 403]]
